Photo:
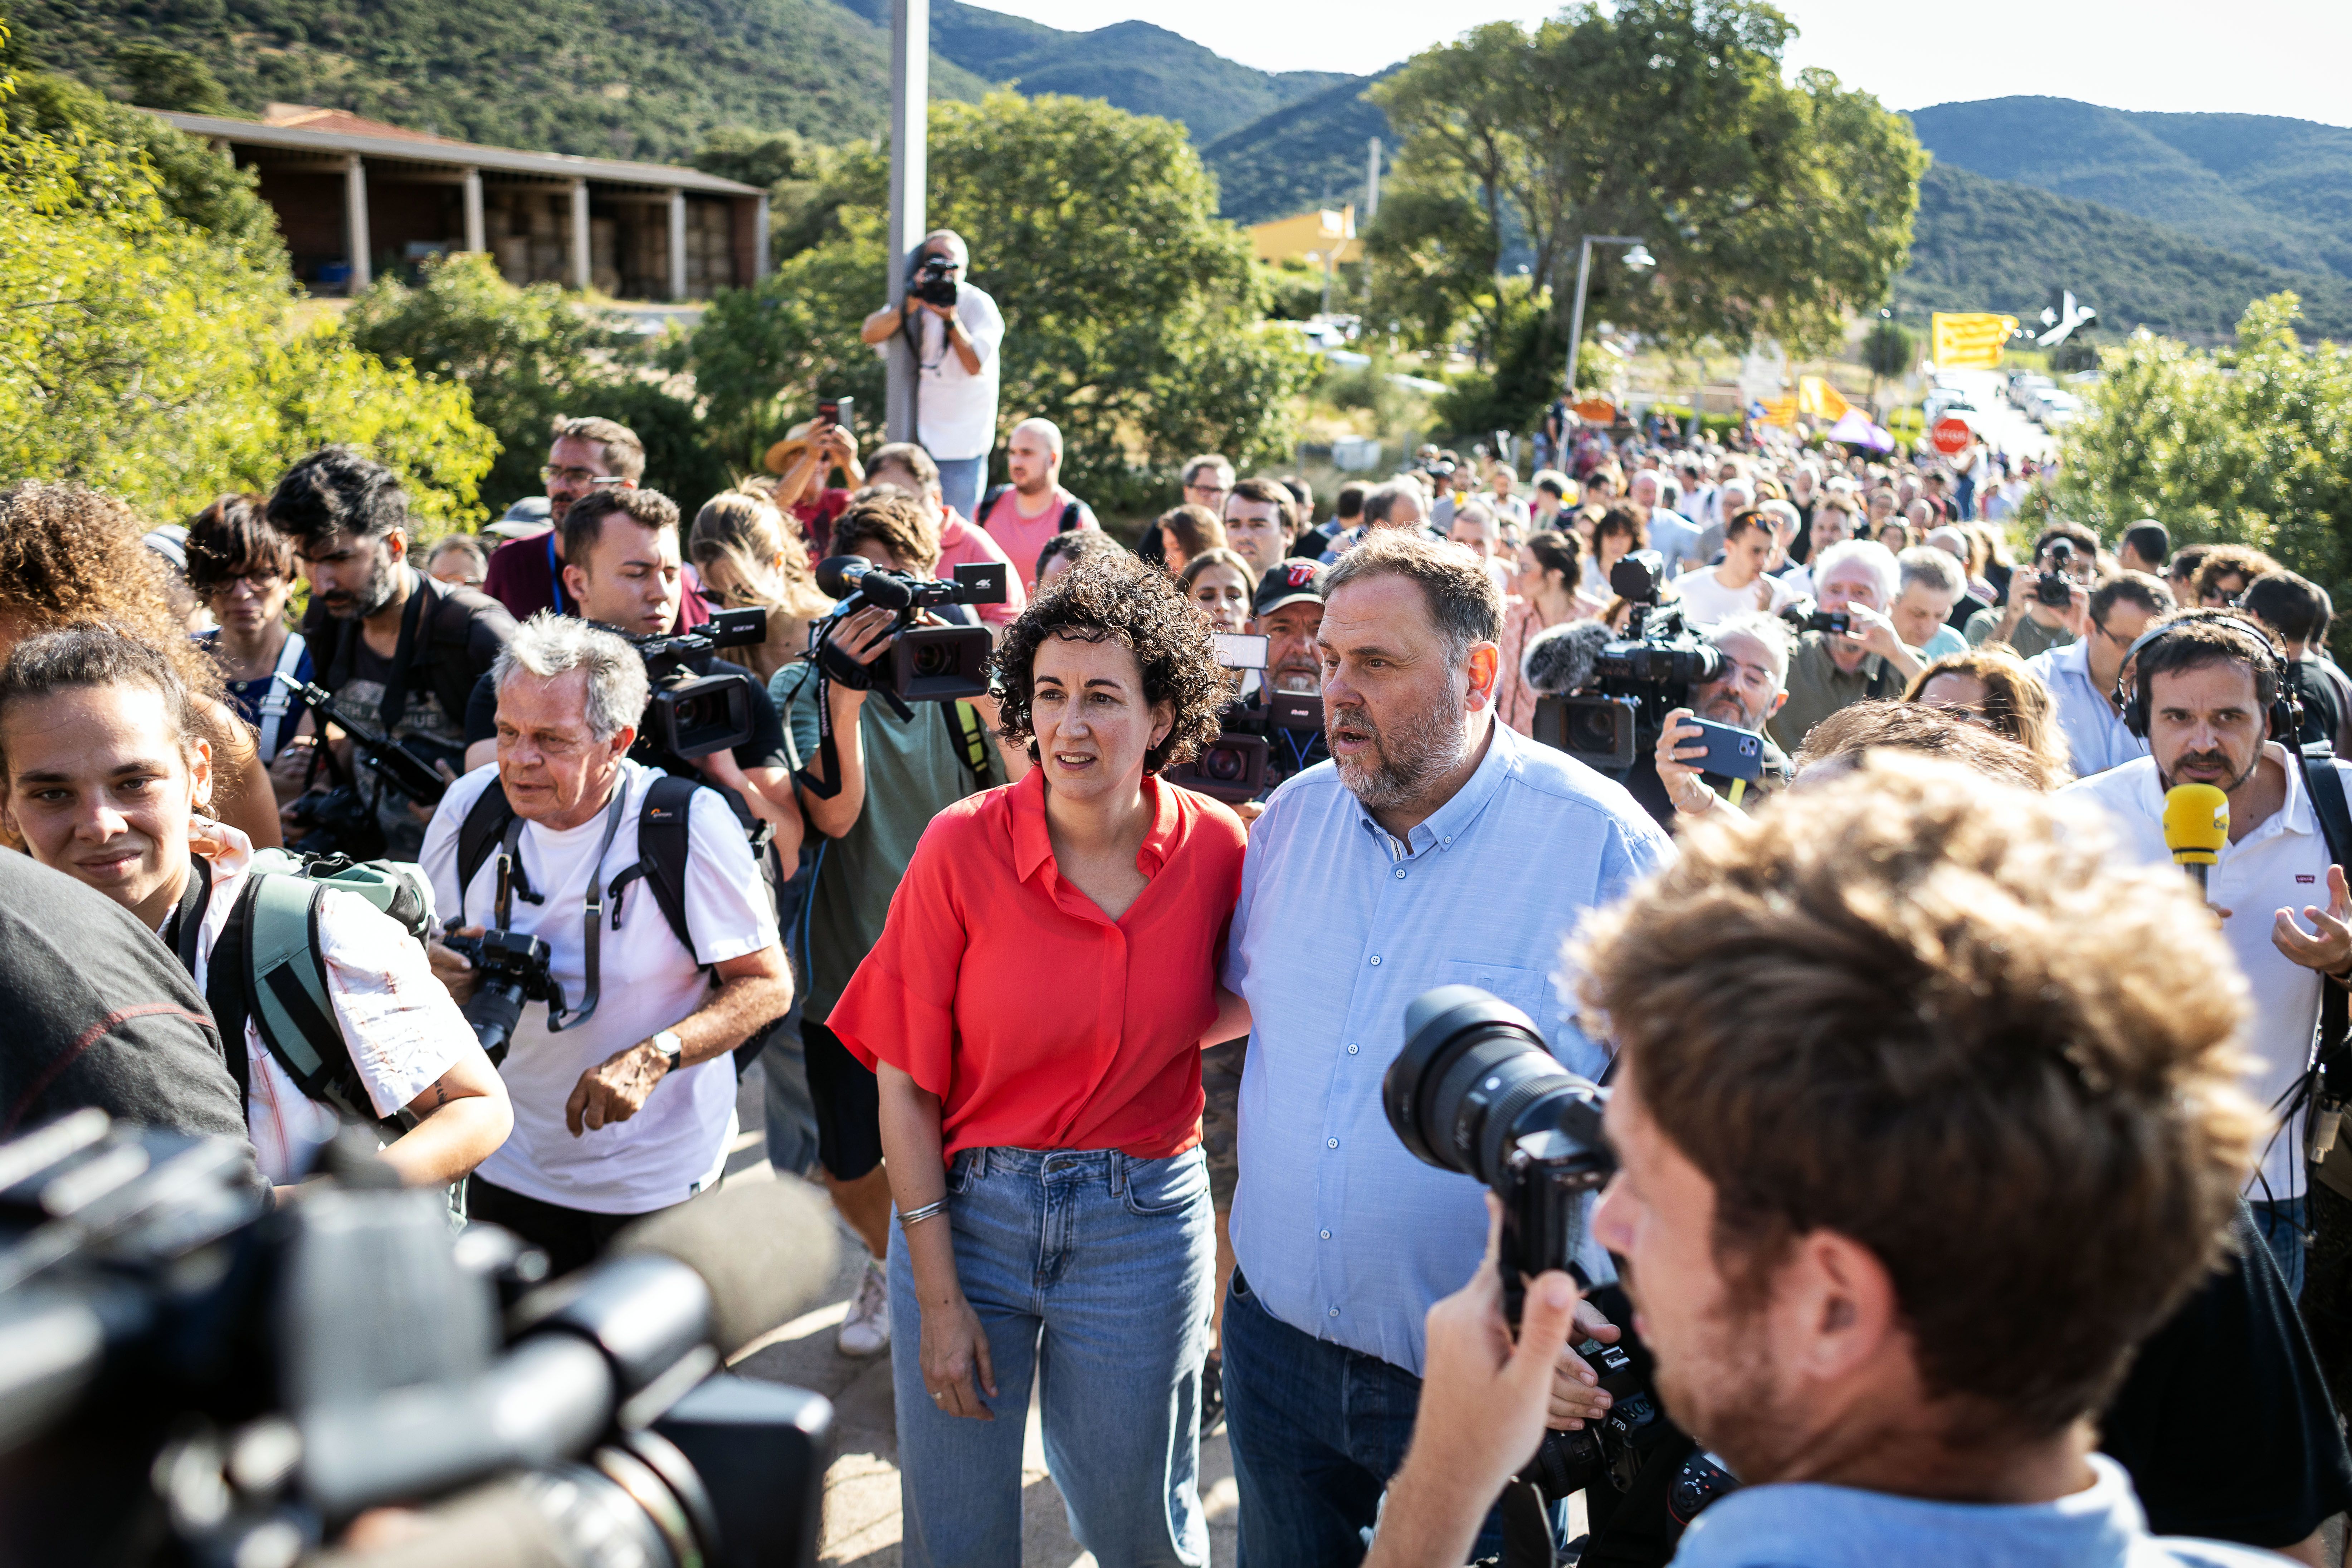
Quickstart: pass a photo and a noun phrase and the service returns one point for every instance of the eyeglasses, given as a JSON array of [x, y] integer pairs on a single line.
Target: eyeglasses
[[551, 474], [259, 582]]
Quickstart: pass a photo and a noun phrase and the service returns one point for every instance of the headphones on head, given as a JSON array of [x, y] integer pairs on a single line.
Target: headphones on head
[[2285, 711]]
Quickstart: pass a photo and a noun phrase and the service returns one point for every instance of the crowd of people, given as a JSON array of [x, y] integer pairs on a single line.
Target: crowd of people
[[1962, 1192]]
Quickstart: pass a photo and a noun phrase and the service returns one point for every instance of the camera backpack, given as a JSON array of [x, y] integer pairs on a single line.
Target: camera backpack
[[1069, 524], [267, 967]]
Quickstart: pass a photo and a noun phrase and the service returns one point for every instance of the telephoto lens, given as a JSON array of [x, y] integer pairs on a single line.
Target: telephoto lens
[[1476, 1090]]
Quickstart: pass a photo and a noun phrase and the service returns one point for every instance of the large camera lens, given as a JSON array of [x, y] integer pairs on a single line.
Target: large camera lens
[[934, 660], [1223, 763], [1473, 1081]]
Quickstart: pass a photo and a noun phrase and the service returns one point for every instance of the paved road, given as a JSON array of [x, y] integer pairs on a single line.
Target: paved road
[[2002, 422]]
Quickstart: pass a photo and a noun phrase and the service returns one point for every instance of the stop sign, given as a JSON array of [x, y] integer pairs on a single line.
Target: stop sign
[[1951, 435]]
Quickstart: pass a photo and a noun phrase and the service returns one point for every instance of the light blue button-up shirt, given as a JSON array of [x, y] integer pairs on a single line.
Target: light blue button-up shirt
[[2096, 739], [1342, 1232]]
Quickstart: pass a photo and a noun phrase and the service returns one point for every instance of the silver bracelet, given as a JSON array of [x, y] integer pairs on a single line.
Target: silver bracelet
[[914, 1218]]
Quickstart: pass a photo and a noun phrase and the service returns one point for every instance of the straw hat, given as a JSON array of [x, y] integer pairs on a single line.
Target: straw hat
[[794, 444]]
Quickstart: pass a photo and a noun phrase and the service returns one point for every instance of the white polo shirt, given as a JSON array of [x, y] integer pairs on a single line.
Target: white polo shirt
[[2096, 739], [677, 1145], [2281, 864]]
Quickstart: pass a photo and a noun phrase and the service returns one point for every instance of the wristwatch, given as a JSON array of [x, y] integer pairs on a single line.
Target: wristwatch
[[672, 1048]]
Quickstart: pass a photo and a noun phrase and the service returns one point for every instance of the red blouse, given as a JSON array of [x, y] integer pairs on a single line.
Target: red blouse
[[1038, 1021]]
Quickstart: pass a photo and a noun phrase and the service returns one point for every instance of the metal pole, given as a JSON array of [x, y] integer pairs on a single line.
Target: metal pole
[[911, 97], [1373, 182], [1576, 316]]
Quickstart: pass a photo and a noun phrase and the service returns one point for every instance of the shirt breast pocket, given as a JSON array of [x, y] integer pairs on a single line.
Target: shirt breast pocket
[[1528, 990]]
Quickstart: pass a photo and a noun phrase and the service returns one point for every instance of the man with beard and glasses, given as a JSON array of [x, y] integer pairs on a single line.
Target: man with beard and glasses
[[1753, 685], [399, 651], [1910, 1076], [1438, 847], [2203, 682]]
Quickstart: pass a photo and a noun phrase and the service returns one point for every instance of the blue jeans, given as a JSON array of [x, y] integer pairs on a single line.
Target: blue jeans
[[1317, 1430], [960, 479], [2283, 1221], [1092, 1271]]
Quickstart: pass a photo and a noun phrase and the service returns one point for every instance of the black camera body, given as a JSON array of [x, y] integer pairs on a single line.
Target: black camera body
[[1618, 713], [694, 715], [930, 281], [1231, 768], [1836, 623], [2054, 587], [337, 822], [926, 664], [514, 970]]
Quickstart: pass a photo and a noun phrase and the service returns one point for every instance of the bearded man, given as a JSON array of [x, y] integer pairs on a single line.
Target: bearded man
[[1436, 848]]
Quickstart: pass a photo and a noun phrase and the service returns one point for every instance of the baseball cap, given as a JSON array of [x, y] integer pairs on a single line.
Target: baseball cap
[[525, 518], [1292, 581]]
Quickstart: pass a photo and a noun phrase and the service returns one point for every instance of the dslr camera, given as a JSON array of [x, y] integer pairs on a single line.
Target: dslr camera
[[1617, 712], [694, 715], [929, 280], [925, 664], [513, 970], [2054, 587]]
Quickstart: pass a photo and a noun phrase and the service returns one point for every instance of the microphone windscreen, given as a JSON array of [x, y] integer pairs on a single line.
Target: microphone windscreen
[[767, 1249], [1560, 659], [2196, 823]]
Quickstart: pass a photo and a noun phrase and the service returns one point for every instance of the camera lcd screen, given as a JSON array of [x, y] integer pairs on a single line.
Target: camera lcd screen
[[1239, 650]]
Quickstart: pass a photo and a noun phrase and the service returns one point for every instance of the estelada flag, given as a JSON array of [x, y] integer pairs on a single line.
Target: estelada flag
[[1969, 341]]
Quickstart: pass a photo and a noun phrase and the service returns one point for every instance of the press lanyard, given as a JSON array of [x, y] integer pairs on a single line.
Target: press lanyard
[[555, 574]]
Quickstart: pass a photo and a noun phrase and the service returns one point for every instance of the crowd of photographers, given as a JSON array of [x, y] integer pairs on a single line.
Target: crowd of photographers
[[1966, 1166]]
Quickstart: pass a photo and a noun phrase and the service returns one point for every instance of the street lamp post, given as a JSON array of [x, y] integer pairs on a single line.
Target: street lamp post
[[1639, 258]]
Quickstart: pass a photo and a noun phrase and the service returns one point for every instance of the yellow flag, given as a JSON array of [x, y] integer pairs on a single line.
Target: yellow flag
[[1970, 342], [1817, 399], [1781, 411]]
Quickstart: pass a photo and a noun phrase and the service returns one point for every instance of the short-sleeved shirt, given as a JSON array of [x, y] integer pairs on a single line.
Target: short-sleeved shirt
[[915, 769], [1023, 534], [1039, 1021], [647, 981], [961, 544]]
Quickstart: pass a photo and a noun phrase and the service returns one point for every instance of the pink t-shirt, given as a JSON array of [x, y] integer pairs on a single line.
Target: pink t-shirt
[[1023, 534], [962, 545]]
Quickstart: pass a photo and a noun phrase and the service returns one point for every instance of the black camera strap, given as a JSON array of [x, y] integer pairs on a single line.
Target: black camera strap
[[513, 878]]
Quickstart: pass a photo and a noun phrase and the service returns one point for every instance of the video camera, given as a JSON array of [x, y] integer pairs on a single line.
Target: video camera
[[926, 664], [928, 281], [694, 715], [1606, 698], [1476, 1092], [188, 1377]]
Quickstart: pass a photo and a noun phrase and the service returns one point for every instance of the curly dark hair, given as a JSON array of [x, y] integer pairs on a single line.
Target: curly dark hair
[[1118, 595]]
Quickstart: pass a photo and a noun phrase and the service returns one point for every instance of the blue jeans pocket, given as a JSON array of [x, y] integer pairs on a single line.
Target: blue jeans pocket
[[1157, 1187], [962, 1172]]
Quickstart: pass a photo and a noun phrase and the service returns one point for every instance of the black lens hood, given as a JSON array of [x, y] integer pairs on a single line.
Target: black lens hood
[[1437, 1022]]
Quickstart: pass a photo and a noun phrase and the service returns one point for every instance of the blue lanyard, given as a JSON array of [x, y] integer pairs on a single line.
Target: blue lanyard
[[555, 574]]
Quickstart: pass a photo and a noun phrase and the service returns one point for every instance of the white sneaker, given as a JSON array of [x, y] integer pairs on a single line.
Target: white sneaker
[[867, 1330]]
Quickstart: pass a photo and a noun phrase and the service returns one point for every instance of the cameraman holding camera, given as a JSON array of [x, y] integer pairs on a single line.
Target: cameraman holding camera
[[2049, 603], [1831, 668], [601, 1136], [1752, 688], [895, 775], [954, 330], [1818, 1292]]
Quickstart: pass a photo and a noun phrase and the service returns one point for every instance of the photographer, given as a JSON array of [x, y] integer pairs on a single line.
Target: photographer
[[1831, 668], [1404, 866], [895, 774], [1752, 688], [105, 756], [1816, 1291], [601, 1136], [954, 330], [2036, 617], [622, 571], [399, 650]]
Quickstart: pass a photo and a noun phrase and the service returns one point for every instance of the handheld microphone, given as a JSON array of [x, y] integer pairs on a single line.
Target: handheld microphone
[[2196, 825]]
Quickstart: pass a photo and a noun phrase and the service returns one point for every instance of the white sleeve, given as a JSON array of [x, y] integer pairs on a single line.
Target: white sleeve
[[402, 1028], [439, 857], [983, 323], [728, 906]]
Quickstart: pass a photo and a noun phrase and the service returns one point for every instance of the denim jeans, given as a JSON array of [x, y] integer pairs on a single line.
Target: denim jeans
[[2283, 1221], [1091, 1271], [961, 481], [1317, 1430]]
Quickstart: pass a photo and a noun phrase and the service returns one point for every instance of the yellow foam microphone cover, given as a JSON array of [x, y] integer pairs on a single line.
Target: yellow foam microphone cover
[[2196, 823]]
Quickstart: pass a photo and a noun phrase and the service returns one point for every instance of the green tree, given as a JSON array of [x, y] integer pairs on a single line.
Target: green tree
[[145, 355], [1889, 349], [1433, 252], [1132, 314], [1774, 210], [2251, 446], [161, 76], [527, 357]]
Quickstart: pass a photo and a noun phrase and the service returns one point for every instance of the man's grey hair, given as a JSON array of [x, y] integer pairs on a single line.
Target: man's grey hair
[[1216, 460], [1935, 568], [1473, 512], [1871, 553], [1463, 602], [1380, 500], [1770, 630], [549, 645], [955, 247], [1745, 486]]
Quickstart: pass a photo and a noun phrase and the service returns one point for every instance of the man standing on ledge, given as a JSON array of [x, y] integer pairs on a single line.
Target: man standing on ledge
[[955, 369], [1401, 865]]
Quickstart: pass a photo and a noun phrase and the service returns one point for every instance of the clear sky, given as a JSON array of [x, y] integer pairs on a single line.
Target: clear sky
[[2247, 56]]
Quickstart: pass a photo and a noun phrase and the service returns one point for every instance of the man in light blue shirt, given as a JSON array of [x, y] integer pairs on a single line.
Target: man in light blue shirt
[[2081, 675], [1437, 848], [1672, 535]]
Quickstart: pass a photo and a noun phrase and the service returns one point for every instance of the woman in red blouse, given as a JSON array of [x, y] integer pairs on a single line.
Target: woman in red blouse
[[1034, 1012]]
